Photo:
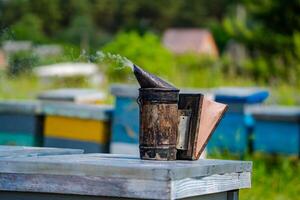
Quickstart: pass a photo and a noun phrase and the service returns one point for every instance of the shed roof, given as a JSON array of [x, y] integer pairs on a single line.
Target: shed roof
[[183, 40]]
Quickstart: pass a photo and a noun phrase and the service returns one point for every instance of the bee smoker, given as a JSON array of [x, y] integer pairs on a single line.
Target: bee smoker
[[172, 125]]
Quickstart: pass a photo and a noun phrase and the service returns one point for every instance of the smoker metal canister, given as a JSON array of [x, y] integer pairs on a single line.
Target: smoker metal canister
[[158, 123]]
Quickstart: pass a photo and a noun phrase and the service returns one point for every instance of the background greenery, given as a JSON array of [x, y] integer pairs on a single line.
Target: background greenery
[[273, 177], [269, 30]]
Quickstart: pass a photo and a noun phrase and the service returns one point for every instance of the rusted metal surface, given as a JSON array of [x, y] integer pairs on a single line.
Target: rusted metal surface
[[192, 102], [147, 80], [158, 123], [172, 125], [184, 117]]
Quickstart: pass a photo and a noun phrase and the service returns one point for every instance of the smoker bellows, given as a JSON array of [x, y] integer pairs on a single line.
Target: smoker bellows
[[173, 125]]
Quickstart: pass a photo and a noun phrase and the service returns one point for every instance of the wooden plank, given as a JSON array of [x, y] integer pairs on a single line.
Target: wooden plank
[[85, 185], [211, 184], [122, 187], [76, 129], [21, 151], [88, 147], [122, 176], [122, 166]]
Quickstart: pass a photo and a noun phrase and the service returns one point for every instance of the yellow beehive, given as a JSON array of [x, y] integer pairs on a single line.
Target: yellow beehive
[[71, 125]]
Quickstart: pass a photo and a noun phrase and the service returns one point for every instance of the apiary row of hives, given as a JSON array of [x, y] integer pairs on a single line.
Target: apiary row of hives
[[75, 119]]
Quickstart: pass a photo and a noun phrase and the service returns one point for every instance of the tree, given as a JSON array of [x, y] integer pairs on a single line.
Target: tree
[[28, 28]]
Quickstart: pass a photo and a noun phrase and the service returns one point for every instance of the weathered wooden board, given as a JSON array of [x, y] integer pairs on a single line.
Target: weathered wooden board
[[88, 147], [128, 166], [123, 187], [21, 151], [122, 176]]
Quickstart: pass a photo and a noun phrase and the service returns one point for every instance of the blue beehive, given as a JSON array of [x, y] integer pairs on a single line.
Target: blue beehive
[[232, 134], [20, 123], [277, 129], [125, 123]]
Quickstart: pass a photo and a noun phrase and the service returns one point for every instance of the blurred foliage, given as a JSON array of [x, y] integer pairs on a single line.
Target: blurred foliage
[[19, 88], [29, 28], [21, 63], [268, 30], [192, 71], [110, 16], [144, 50]]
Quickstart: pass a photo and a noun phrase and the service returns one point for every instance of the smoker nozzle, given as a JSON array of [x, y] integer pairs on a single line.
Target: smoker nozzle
[[147, 80]]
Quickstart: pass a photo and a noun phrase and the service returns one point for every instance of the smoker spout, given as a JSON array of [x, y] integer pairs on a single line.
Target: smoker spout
[[147, 80]]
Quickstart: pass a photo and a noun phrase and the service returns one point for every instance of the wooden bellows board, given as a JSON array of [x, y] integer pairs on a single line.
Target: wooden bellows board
[[202, 116]]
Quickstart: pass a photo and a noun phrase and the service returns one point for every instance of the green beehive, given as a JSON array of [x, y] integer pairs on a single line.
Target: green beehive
[[20, 123]]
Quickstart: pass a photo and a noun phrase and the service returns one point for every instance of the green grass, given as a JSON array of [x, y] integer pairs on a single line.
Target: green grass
[[276, 178], [19, 87]]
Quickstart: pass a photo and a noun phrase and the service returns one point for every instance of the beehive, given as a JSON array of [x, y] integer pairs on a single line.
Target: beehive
[[125, 123], [71, 125], [20, 123], [233, 133], [277, 129]]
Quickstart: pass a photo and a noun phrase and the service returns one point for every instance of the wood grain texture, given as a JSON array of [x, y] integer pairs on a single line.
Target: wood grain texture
[[211, 184], [85, 185], [122, 176], [20, 151], [122, 166], [122, 187], [88, 147]]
